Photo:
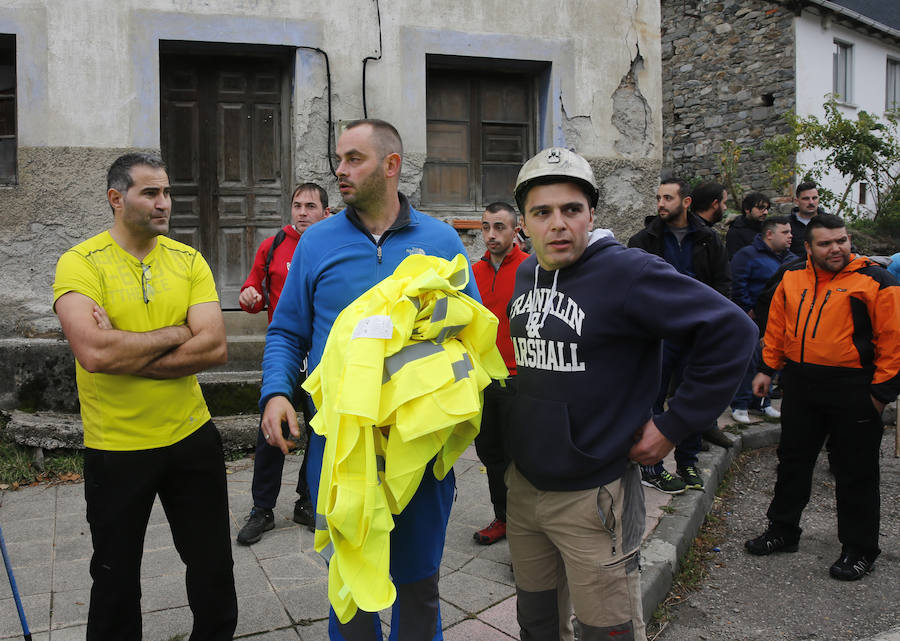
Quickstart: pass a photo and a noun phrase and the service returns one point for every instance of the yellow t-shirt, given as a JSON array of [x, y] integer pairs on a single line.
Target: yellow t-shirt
[[122, 412]]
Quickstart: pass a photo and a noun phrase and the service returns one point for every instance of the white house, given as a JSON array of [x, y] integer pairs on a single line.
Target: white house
[[849, 49]]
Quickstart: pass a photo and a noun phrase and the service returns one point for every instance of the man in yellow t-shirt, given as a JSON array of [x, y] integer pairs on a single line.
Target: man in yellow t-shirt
[[142, 316]]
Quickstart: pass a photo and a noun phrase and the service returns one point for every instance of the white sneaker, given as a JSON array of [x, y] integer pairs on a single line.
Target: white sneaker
[[771, 412], [741, 416]]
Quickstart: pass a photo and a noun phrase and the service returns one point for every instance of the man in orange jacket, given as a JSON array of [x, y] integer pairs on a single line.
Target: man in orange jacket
[[495, 275], [834, 328]]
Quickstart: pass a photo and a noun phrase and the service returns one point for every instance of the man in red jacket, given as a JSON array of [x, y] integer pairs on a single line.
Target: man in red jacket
[[495, 275], [309, 204]]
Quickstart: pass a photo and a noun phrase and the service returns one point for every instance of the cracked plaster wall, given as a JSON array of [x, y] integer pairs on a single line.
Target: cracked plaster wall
[[88, 94]]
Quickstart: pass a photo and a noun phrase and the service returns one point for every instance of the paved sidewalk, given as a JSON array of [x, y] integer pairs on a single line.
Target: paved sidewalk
[[282, 582]]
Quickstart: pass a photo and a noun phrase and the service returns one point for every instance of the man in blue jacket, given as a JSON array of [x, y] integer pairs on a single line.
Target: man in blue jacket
[[751, 269], [335, 262], [588, 370]]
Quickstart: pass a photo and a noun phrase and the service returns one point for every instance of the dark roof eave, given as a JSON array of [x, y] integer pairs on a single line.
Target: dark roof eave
[[858, 17]]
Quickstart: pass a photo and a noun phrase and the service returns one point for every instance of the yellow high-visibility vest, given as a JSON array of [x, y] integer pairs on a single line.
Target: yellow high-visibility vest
[[400, 382]]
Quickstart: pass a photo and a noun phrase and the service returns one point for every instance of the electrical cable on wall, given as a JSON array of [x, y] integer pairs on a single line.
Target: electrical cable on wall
[[330, 121], [367, 58]]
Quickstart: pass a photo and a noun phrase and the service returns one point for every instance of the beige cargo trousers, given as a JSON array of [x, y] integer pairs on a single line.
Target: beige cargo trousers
[[577, 550]]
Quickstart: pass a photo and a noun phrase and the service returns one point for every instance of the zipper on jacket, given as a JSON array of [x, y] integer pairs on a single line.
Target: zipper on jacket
[[378, 252], [819, 317], [799, 307], [812, 306]]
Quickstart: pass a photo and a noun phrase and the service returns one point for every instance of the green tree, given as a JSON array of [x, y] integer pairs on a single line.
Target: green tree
[[865, 149]]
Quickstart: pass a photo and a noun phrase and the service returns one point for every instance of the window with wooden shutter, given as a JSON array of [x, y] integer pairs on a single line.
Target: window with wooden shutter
[[480, 129], [7, 109]]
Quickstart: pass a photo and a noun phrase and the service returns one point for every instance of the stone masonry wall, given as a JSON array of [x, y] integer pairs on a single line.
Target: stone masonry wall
[[727, 74]]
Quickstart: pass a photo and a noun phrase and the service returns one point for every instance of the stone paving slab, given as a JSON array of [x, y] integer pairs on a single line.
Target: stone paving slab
[[281, 581]]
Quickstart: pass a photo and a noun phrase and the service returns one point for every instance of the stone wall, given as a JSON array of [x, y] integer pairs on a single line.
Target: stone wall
[[727, 74]]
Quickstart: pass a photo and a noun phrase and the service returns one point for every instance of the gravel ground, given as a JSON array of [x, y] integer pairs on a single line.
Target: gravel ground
[[791, 596]]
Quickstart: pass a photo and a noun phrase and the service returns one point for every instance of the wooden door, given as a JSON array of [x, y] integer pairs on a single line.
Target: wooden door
[[225, 137]]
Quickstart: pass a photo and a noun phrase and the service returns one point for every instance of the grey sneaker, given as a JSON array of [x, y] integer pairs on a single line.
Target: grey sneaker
[[259, 521], [664, 482]]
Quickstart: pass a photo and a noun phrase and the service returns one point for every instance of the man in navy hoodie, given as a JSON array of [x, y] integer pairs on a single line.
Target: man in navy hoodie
[[587, 319]]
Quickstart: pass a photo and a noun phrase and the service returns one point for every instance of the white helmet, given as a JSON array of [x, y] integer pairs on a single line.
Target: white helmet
[[551, 163]]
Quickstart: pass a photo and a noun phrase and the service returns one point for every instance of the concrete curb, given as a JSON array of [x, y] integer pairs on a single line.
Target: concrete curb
[[662, 551]]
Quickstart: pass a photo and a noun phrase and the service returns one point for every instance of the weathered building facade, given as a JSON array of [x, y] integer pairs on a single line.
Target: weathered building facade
[[733, 68], [244, 98]]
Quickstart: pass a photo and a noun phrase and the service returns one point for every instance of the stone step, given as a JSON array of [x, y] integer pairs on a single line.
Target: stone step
[[57, 430], [240, 323], [231, 391], [245, 352]]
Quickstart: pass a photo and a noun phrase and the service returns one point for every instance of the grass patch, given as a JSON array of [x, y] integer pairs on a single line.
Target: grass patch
[[18, 469], [694, 565]]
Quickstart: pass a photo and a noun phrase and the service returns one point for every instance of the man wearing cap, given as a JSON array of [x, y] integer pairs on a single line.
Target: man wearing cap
[[588, 373]]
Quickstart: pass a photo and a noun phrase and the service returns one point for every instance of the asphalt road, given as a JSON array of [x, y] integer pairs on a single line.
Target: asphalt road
[[790, 596]]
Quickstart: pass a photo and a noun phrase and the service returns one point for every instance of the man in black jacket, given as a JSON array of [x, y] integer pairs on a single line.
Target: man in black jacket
[[743, 229], [806, 205], [686, 242]]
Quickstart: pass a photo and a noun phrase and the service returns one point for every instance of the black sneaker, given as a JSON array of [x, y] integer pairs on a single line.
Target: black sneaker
[[852, 566], [259, 521], [304, 514], [769, 542], [664, 482], [692, 480]]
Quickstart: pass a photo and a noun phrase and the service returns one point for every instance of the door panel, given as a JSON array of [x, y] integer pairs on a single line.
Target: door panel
[[224, 138]]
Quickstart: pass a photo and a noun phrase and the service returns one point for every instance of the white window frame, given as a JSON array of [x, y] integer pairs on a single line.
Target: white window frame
[[842, 71], [892, 85]]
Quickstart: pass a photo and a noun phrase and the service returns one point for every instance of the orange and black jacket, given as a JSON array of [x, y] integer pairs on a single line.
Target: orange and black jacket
[[842, 328]]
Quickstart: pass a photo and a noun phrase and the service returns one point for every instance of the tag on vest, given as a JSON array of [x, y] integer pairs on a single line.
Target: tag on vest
[[374, 327]]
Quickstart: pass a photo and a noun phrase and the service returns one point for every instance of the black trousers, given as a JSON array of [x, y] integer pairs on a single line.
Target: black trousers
[[498, 405], [119, 488], [843, 413], [268, 461]]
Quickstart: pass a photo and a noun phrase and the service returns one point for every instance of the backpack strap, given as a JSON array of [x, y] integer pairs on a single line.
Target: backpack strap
[[279, 238]]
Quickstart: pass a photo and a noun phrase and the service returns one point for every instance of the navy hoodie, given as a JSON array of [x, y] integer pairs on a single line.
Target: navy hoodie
[[587, 341]]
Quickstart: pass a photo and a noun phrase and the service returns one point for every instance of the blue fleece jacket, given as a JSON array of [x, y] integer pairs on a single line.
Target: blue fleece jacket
[[751, 268], [587, 341], [335, 261]]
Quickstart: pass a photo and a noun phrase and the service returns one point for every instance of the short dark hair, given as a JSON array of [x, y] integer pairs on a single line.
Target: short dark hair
[[118, 176], [772, 221], [497, 207], [806, 186], [825, 221], [704, 194], [323, 195], [387, 138], [754, 199], [684, 189]]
